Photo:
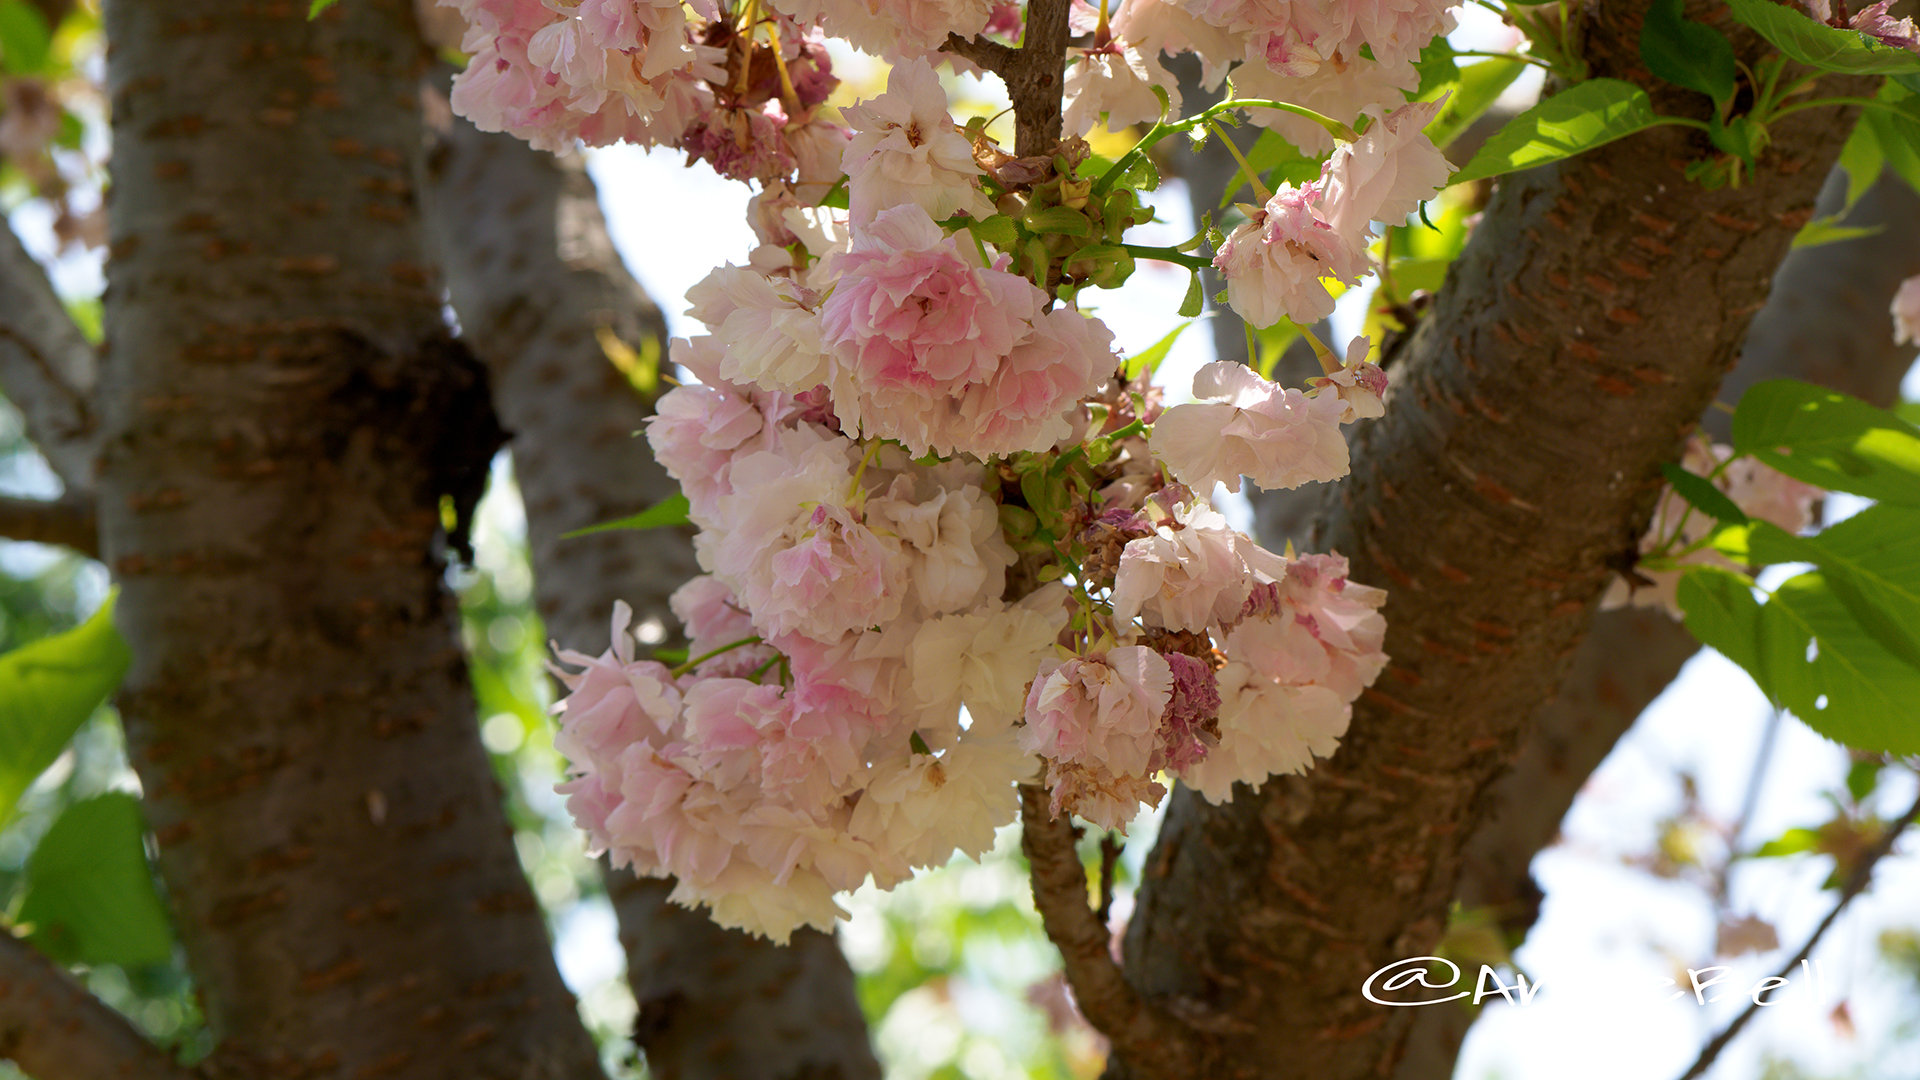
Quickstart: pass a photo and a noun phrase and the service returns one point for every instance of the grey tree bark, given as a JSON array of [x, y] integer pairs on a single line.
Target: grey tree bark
[[1577, 340], [282, 412], [534, 288]]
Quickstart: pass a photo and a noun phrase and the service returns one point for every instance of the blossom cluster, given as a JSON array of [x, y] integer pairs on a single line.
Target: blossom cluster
[[950, 542]]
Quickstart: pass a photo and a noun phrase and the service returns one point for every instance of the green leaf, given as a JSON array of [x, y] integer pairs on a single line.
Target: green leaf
[[47, 690], [1871, 562], [1722, 613], [1862, 779], [1590, 114], [1701, 494], [1896, 135], [1687, 53], [1148, 362], [318, 6], [672, 511], [25, 38], [1828, 230], [1194, 301], [1411, 275], [1908, 411], [1481, 85], [1852, 690], [1791, 842], [1829, 439], [89, 897], [1863, 161], [1809, 41], [1436, 67]]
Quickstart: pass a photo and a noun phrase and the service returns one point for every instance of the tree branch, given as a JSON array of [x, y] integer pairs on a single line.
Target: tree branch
[[1580, 336], [1155, 1044], [69, 522], [1035, 74], [53, 1029], [47, 366], [1820, 324], [1856, 884]]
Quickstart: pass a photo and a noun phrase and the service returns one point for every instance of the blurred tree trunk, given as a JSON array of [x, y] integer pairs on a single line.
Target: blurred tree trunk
[[283, 414]]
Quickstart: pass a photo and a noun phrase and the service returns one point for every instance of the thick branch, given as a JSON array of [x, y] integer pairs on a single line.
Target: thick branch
[[1819, 325], [54, 1030], [68, 522], [1576, 341], [1035, 74], [47, 368], [1156, 1045], [536, 282]]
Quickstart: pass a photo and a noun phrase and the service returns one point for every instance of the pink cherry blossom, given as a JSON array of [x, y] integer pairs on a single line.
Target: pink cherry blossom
[[905, 149], [1266, 729], [1276, 261], [1385, 175], [1100, 710], [1191, 573], [1906, 312], [1115, 82], [1245, 425]]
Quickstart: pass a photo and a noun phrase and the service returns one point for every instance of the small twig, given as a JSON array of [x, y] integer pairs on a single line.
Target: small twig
[[1110, 850], [990, 55], [53, 1029], [68, 522], [1856, 884], [46, 365], [1154, 1044]]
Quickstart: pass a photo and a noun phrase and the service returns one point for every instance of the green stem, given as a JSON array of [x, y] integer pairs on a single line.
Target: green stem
[[1162, 129], [704, 657], [1191, 262], [1818, 102], [1246, 169], [1522, 57]]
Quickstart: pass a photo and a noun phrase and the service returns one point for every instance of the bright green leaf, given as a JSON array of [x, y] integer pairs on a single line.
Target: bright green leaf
[[1701, 494], [1871, 562], [1862, 779], [672, 511], [1826, 669], [1829, 439], [1828, 230], [1148, 362], [1687, 53], [1722, 613], [1590, 114], [1908, 411], [47, 690], [1480, 86], [1810, 41], [1436, 67], [24, 38], [1192, 304], [318, 6], [1895, 135], [89, 897], [1863, 161], [1791, 842]]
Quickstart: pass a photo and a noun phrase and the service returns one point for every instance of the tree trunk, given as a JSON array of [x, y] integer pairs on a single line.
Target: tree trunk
[[536, 281], [283, 414], [1576, 341]]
